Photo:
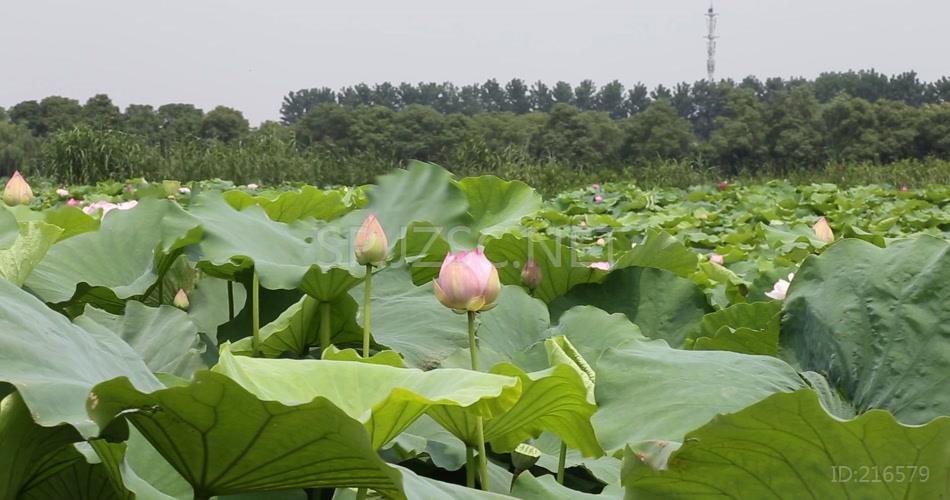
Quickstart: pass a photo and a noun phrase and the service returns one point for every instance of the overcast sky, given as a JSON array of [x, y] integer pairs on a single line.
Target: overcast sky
[[247, 54]]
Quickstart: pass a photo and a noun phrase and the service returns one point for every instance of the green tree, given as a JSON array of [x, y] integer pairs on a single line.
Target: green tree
[[582, 139], [898, 125], [563, 93], [143, 121], [541, 98], [297, 104], [517, 96], [179, 122], [609, 99], [656, 133], [850, 127], [739, 137], [100, 113], [29, 115], [638, 99], [18, 148], [795, 130], [584, 95], [224, 124]]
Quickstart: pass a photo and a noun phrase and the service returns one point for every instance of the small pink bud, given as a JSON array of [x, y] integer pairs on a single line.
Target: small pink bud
[[716, 258], [371, 245], [603, 266], [904, 188], [823, 230], [595, 186], [467, 281], [72, 202], [531, 274], [17, 191], [181, 300], [598, 198], [780, 288], [723, 186]]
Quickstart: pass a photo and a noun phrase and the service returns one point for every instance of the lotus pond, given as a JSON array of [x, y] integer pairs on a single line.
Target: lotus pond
[[160, 340]]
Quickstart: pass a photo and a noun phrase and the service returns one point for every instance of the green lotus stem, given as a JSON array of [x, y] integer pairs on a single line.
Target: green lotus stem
[[361, 494], [367, 287], [161, 289], [479, 423], [469, 467], [325, 325], [230, 300], [560, 463], [255, 315]]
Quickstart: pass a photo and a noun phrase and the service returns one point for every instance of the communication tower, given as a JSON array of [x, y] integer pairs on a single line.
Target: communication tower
[[711, 37]]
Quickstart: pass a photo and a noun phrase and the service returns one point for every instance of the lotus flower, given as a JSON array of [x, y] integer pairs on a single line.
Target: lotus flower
[[601, 242], [184, 190], [780, 288], [108, 206], [595, 186], [17, 191], [598, 198], [723, 186], [181, 300], [904, 188], [371, 244], [252, 186], [468, 281], [604, 266], [823, 230], [531, 274], [716, 258], [72, 202], [62, 193]]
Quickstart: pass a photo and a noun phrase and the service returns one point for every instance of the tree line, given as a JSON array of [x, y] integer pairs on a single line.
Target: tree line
[[779, 124]]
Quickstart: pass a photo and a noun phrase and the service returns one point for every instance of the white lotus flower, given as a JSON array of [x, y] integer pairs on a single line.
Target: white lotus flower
[[780, 288]]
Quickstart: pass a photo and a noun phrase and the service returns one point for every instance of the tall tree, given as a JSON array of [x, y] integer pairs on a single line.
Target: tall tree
[[180, 122], [100, 113], [297, 104], [563, 93], [609, 99], [517, 96], [224, 124], [143, 121], [584, 95], [656, 133], [541, 98], [638, 98], [493, 96]]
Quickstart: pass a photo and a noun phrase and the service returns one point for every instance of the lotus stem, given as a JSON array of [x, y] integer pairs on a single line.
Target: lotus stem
[[469, 467], [255, 315], [479, 422], [161, 288], [367, 292], [325, 325], [560, 463], [361, 494], [230, 300]]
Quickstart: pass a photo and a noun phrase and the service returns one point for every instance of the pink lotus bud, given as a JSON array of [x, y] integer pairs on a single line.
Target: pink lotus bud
[[62, 193], [468, 281], [595, 186], [108, 206], [531, 274], [252, 186], [823, 230], [181, 300], [72, 202], [780, 289], [723, 186], [17, 191], [598, 198], [716, 258], [904, 188], [603, 266], [371, 244]]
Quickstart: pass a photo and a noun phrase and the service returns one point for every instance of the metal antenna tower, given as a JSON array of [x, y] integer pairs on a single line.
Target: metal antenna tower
[[711, 42]]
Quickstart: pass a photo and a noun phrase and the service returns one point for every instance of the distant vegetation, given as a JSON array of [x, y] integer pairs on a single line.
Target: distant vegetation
[[838, 122]]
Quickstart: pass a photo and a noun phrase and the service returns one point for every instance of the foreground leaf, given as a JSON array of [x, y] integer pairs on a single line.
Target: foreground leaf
[[787, 446]]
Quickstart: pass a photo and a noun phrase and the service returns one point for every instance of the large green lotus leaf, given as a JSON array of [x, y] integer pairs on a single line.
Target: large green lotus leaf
[[421, 487], [29, 452], [297, 328], [75, 479], [750, 328], [876, 321], [388, 358], [409, 319], [120, 256], [283, 256], [9, 228], [72, 220], [787, 446], [164, 337], [224, 440], [662, 304], [55, 363], [385, 398], [208, 307], [647, 390], [19, 259], [424, 248], [292, 206], [592, 331], [661, 251], [421, 192], [528, 487], [559, 264], [139, 468], [496, 206], [425, 435]]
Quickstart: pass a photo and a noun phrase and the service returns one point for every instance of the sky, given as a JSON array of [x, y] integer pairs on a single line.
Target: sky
[[248, 54]]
